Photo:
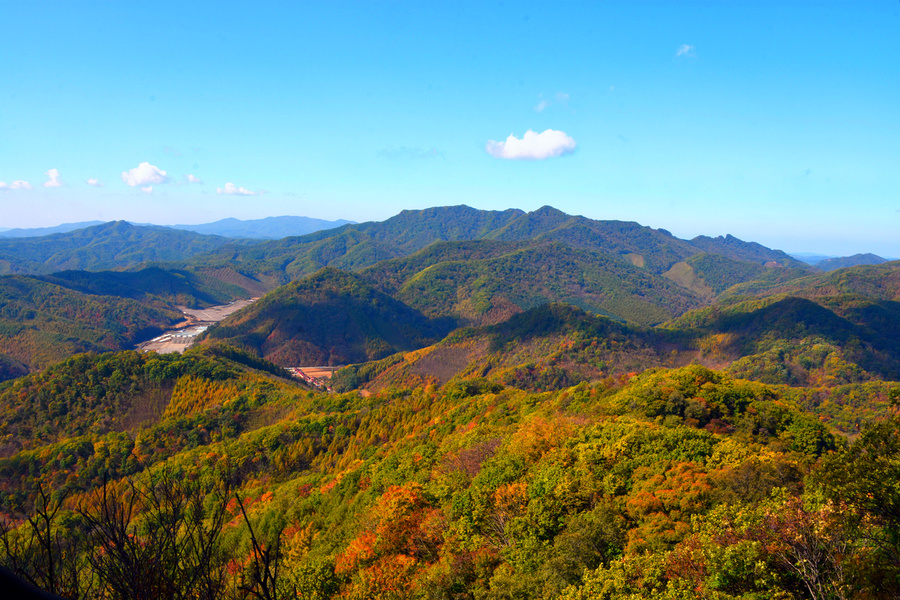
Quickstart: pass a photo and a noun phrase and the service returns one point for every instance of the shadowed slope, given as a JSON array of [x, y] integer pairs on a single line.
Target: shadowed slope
[[331, 317]]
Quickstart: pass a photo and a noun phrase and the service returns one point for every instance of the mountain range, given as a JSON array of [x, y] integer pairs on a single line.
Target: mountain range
[[362, 292], [267, 228], [522, 405]]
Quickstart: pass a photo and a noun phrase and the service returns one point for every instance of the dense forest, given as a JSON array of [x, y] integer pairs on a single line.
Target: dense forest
[[674, 483], [528, 405], [42, 323]]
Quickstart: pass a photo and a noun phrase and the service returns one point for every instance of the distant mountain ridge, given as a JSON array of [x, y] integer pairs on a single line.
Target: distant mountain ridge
[[19, 232], [107, 246], [269, 228], [856, 260], [358, 246]]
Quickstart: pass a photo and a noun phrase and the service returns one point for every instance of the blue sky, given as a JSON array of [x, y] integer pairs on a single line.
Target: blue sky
[[774, 122]]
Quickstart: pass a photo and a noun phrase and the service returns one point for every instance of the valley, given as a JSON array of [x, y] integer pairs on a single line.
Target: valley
[[593, 301], [480, 404], [185, 334]]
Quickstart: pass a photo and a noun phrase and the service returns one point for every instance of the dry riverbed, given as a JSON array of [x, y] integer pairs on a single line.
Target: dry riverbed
[[196, 322]]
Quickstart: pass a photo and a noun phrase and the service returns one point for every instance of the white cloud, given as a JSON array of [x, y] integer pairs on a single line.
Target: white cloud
[[233, 190], [52, 179], [147, 189], [192, 179], [540, 106], [94, 182], [685, 50], [144, 174], [18, 184], [532, 146], [562, 97]]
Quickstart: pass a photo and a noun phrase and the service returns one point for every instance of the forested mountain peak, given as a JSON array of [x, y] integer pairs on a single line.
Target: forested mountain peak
[[830, 264], [735, 248]]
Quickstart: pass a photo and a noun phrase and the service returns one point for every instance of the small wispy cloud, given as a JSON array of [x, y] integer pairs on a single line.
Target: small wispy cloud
[[233, 190], [143, 175], [192, 179], [147, 189], [18, 184], [53, 180], [405, 152], [94, 182], [543, 103], [685, 50], [171, 150], [533, 146]]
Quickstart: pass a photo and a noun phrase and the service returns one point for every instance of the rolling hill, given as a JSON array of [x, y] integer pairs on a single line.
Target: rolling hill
[[794, 340], [546, 451], [830, 264], [329, 318], [877, 282], [674, 480], [111, 245]]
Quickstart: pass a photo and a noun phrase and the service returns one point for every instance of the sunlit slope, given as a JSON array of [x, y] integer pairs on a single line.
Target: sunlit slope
[[471, 486], [548, 347], [787, 339], [877, 282], [488, 290], [779, 340]]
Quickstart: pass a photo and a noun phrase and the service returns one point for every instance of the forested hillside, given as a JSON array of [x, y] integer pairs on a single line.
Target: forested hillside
[[42, 323], [153, 285], [330, 318], [549, 347], [830, 264], [106, 246], [876, 282], [453, 264], [534, 405], [671, 483], [488, 290]]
